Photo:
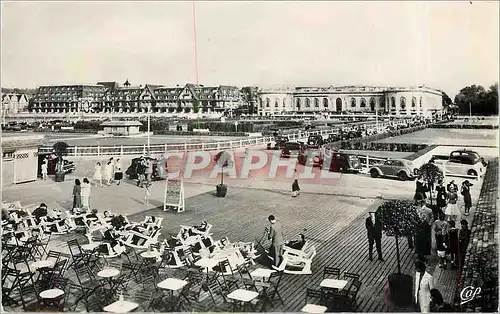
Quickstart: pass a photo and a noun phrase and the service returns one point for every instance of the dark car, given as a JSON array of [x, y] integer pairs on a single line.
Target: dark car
[[311, 157], [68, 166], [292, 149], [315, 141], [333, 138], [342, 162], [135, 168]]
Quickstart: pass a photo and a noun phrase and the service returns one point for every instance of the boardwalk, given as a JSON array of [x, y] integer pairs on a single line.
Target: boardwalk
[[335, 225]]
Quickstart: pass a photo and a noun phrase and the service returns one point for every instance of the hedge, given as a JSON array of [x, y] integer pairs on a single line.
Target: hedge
[[466, 126]]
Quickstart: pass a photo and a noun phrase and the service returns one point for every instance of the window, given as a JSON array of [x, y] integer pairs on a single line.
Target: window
[[363, 102], [276, 103], [402, 103], [298, 103], [372, 104], [414, 101], [353, 102], [284, 102], [420, 101], [8, 155], [325, 102], [393, 102], [268, 102], [308, 103]]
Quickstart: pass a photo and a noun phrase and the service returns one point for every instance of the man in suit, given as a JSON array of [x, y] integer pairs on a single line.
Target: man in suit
[[276, 236], [374, 231]]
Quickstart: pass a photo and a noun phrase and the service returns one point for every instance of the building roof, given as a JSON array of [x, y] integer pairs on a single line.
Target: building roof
[[121, 123], [10, 143]]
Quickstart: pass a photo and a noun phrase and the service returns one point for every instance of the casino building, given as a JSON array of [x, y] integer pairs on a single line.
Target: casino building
[[114, 98], [398, 101]]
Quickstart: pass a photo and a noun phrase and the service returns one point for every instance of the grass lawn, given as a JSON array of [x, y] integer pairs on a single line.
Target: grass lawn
[[447, 137]]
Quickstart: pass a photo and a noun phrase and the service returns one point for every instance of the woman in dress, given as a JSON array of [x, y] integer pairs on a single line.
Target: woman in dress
[[77, 194], [118, 171], [466, 194], [86, 193], [108, 173], [98, 174], [452, 211]]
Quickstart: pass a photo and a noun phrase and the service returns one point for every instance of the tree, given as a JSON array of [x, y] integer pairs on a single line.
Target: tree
[[60, 149], [431, 174], [223, 159], [399, 218], [476, 100]]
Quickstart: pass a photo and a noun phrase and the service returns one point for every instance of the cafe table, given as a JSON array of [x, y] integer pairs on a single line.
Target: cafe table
[[242, 295], [108, 273], [313, 308], [121, 306], [172, 284], [333, 283], [43, 264], [263, 273]]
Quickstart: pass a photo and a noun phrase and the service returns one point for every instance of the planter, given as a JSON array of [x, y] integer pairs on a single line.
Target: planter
[[401, 290], [59, 177], [221, 190]]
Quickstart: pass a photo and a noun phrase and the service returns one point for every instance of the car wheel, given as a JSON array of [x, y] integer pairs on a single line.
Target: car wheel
[[374, 173], [402, 176], [472, 173]]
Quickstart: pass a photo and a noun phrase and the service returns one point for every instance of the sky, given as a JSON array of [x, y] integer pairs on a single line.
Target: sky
[[445, 45]]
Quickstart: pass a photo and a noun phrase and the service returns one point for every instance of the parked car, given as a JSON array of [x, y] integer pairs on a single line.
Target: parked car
[[334, 137], [311, 157], [400, 168], [68, 166], [279, 143], [292, 149], [134, 169], [315, 141], [461, 162], [343, 162]]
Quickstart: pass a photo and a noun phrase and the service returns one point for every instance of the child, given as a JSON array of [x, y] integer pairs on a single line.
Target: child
[[441, 246], [44, 170], [147, 193], [295, 188]]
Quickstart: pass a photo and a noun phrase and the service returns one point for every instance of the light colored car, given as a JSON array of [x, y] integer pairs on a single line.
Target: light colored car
[[462, 162], [399, 168]]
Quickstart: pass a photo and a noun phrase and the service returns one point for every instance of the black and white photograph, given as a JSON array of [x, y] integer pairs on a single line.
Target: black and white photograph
[[249, 156]]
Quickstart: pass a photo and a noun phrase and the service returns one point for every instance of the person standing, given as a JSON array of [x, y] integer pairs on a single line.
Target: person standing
[[423, 239], [140, 169], [295, 188], [423, 286], [148, 171], [275, 234], [452, 185], [463, 238], [98, 174], [453, 245], [77, 194], [44, 169], [465, 191], [86, 193], [420, 188], [440, 199], [374, 232], [108, 173], [452, 211], [118, 171]]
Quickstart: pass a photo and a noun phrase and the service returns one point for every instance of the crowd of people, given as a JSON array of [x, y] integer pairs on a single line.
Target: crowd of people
[[110, 173]]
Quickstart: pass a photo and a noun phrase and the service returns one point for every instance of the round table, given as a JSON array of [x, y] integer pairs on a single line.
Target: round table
[[43, 264], [51, 293], [108, 273]]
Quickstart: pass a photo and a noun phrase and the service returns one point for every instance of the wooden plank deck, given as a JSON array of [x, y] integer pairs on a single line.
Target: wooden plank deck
[[335, 225]]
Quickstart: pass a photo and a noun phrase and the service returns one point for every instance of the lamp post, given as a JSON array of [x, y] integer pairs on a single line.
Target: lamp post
[[149, 124]]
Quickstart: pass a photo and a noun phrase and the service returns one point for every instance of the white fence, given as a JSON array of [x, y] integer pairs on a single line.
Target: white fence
[[128, 150]]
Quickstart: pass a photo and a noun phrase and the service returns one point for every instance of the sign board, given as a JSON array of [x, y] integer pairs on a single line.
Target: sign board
[[174, 195]]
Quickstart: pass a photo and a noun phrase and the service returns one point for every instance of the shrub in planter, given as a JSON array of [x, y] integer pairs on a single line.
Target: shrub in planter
[[222, 159], [399, 218]]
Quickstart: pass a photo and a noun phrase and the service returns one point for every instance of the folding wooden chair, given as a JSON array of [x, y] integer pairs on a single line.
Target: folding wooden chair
[[331, 272]]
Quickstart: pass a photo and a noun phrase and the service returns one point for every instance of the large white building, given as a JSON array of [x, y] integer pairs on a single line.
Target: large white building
[[14, 103], [406, 101]]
